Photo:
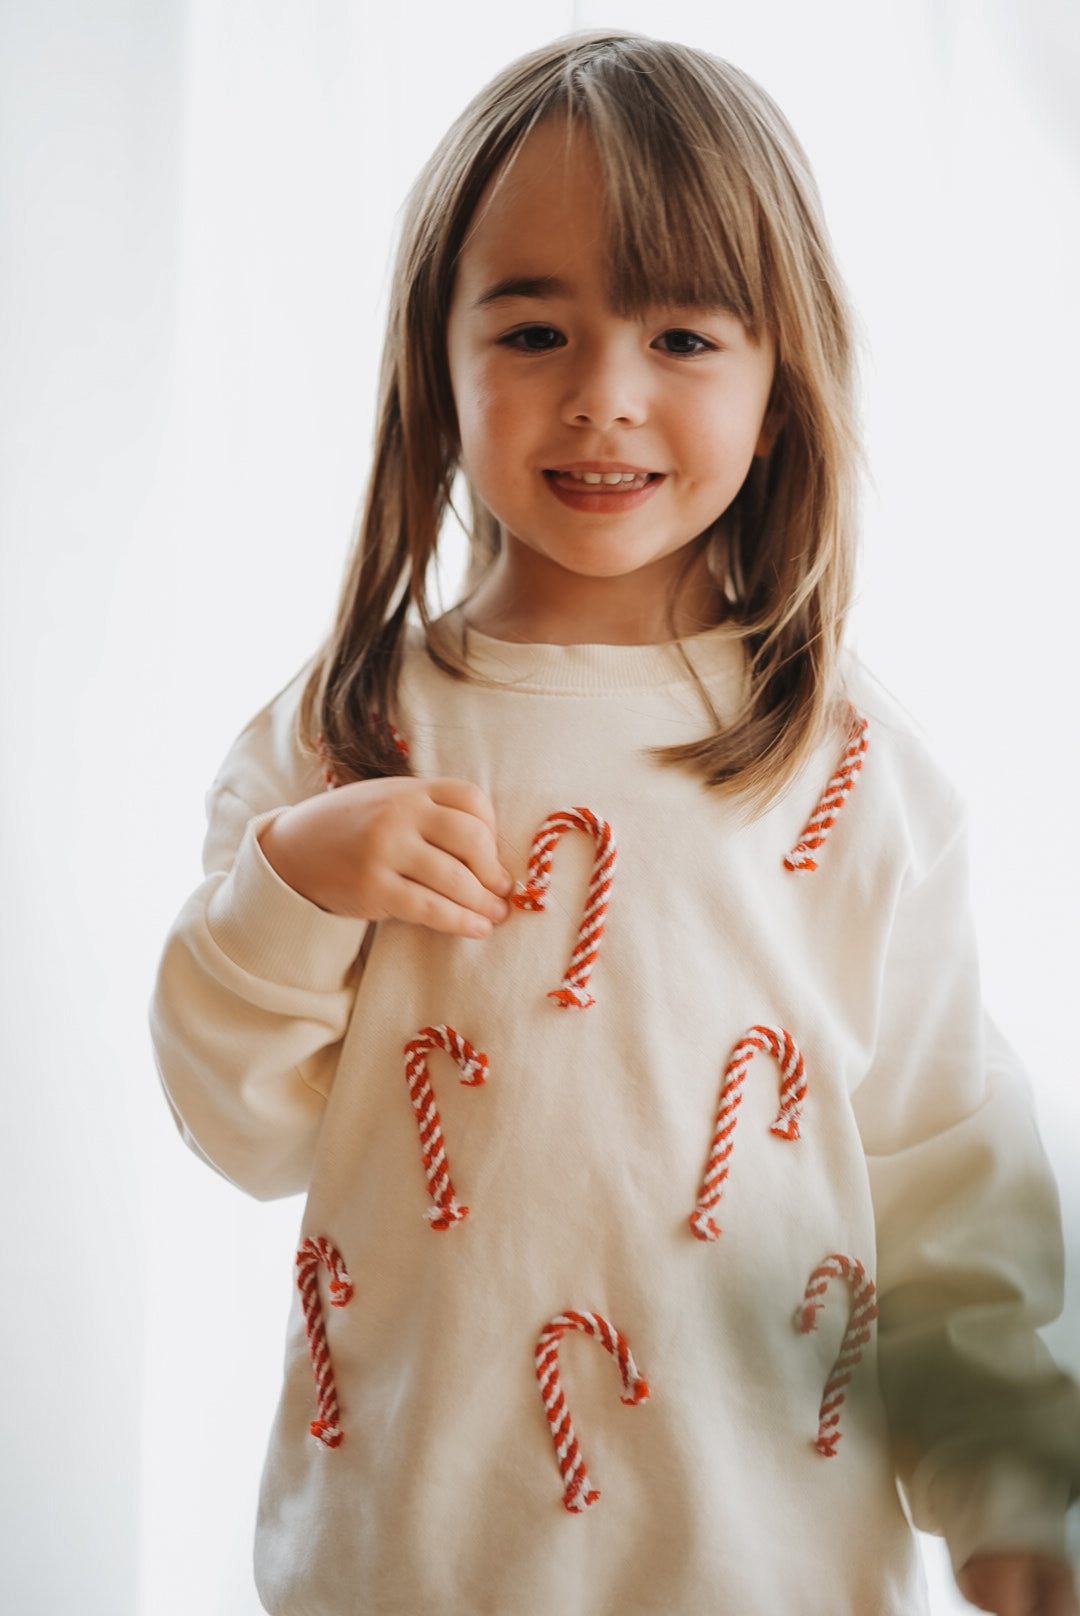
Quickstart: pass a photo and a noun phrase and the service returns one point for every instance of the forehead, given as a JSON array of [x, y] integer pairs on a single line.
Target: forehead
[[545, 204]]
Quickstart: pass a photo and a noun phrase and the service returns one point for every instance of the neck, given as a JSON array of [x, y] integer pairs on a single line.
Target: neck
[[541, 603]]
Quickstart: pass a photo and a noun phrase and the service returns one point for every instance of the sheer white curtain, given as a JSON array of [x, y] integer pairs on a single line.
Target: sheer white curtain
[[196, 205]]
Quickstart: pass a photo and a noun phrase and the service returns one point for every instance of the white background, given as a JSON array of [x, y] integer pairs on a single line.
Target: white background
[[196, 207]]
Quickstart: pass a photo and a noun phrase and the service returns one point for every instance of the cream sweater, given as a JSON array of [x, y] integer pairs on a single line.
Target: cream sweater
[[434, 1483]]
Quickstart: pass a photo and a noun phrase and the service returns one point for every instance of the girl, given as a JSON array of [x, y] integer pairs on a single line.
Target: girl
[[626, 846]]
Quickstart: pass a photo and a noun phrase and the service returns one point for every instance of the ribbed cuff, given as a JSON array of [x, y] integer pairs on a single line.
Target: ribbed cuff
[[271, 931]]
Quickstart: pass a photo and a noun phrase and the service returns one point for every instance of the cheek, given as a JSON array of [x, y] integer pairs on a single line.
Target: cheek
[[489, 419], [716, 442], [727, 434], [472, 393], [479, 438]]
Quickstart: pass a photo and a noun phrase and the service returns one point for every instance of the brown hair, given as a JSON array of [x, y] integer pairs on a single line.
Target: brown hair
[[709, 201]]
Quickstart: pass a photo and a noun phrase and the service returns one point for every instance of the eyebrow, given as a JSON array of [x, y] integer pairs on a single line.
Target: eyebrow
[[536, 286]]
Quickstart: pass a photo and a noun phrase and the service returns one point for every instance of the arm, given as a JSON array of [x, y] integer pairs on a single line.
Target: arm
[[986, 1427], [259, 975], [253, 997]]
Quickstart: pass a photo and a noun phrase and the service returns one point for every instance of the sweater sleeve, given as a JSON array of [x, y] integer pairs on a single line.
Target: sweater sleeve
[[986, 1426], [254, 994]]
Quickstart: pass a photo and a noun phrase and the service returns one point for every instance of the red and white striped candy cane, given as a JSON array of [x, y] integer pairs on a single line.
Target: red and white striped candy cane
[[313, 1255], [473, 1066], [832, 800], [577, 1492], [766, 1040], [862, 1314], [532, 894]]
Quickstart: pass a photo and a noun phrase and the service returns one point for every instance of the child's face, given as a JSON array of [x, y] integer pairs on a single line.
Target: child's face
[[603, 444]]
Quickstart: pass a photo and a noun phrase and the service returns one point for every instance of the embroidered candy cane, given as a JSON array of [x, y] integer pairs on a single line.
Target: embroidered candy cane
[[532, 894], [330, 774], [330, 779], [862, 1315], [832, 800], [577, 1492], [447, 1209], [312, 1255], [766, 1040]]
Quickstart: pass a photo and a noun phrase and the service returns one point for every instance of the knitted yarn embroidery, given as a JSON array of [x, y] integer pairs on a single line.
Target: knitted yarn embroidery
[[532, 894], [578, 1493], [315, 1254]]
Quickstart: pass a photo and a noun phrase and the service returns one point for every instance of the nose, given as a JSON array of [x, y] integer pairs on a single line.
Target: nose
[[606, 387]]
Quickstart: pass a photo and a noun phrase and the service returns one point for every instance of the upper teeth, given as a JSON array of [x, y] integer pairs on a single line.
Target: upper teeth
[[610, 477]]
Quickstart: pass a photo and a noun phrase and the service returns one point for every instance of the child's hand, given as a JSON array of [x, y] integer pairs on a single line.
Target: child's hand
[[1019, 1585], [416, 850]]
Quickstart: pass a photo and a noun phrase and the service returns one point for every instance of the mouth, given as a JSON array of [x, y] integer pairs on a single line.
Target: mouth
[[619, 479], [600, 488]]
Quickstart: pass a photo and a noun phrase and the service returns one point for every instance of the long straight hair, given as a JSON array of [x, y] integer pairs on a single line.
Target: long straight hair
[[709, 201]]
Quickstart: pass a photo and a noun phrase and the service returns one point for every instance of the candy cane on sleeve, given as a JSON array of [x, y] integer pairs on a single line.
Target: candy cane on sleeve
[[313, 1255], [862, 1313], [578, 1494], [446, 1210], [774, 1041], [532, 894], [832, 799]]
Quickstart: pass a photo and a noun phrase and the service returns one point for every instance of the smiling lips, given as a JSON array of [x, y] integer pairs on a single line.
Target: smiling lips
[[602, 488]]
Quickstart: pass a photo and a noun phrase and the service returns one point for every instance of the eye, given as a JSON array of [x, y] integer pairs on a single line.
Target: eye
[[683, 344], [533, 339]]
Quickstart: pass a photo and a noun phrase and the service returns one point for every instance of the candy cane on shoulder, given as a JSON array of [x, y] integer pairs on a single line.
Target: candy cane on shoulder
[[315, 1254], [832, 799], [774, 1041], [861, 1315], [446, 1210], [578, 1494], [532, 894]]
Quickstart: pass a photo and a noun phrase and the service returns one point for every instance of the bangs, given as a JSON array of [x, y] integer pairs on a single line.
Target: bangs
[[681, 231], [686, 174]]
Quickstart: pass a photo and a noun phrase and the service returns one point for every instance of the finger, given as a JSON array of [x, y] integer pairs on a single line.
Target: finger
[[470, 840], [450, 878], [464, 796], [421, 906], [998, 1582], [1057, 1591], [983, 1583]]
